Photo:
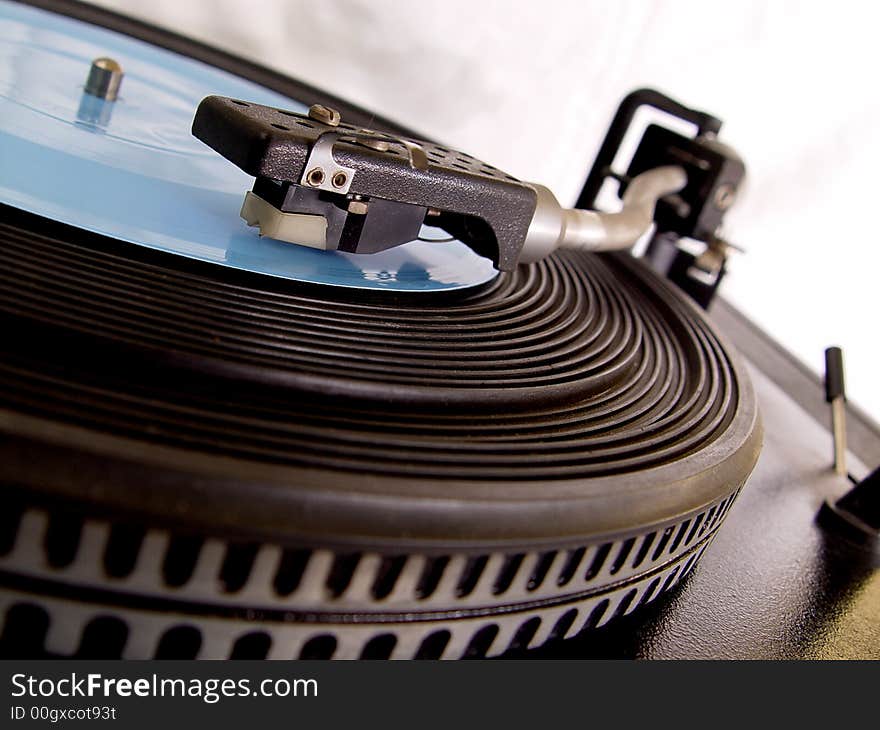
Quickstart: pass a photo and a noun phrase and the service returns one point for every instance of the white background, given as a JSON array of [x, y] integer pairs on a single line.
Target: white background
[[530, 87]]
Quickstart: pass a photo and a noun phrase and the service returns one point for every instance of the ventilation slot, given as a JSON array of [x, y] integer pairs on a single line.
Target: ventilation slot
[[24, 632], [431, 575], [180, 642], [670, 579], [563, 624], [622, 555], [432, 645], [319, 647], [103, 638], [62, 539], [180, 559], [341, 573], [598, 561], [711, 517], [473, 569], [507, 573], [664, 541], [545, 560], [10, 517], [625, 603], [728, 505], [596, 615], [693, 532], [122, 548], [237, 565], [525, 633], [647, 541], [254, 645], [481, 642], [688, 565], [724, 508], [387, 575], [571, 565], [290, 571], [649, 593], [678, 536], [379, 647]]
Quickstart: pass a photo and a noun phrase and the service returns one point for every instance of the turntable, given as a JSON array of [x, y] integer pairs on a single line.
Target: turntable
[[381, 416]]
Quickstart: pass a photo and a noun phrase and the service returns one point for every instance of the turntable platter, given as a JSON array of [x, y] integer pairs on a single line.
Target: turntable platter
[[203, 462]]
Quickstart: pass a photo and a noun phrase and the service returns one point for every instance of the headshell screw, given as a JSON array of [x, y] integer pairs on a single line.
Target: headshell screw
[[325, 114]]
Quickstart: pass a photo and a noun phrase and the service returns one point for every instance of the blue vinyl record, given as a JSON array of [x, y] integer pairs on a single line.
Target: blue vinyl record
[[132, 170]]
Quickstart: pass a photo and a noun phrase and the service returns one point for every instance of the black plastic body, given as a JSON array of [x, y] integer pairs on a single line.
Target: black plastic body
[[635, 100], [487, 209], [714, 173], [385, 225], [667, 258]]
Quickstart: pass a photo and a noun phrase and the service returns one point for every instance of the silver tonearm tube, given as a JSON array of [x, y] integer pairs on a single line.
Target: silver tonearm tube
[[588, 230]]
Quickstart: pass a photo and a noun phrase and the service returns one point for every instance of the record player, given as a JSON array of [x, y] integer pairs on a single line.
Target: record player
[[281, 378]]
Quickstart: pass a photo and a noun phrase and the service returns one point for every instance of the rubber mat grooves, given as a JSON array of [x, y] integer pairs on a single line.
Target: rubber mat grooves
[[579, 366]]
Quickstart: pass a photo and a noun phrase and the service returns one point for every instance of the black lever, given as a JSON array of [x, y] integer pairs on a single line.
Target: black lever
[[835, 396], [857, 511]]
